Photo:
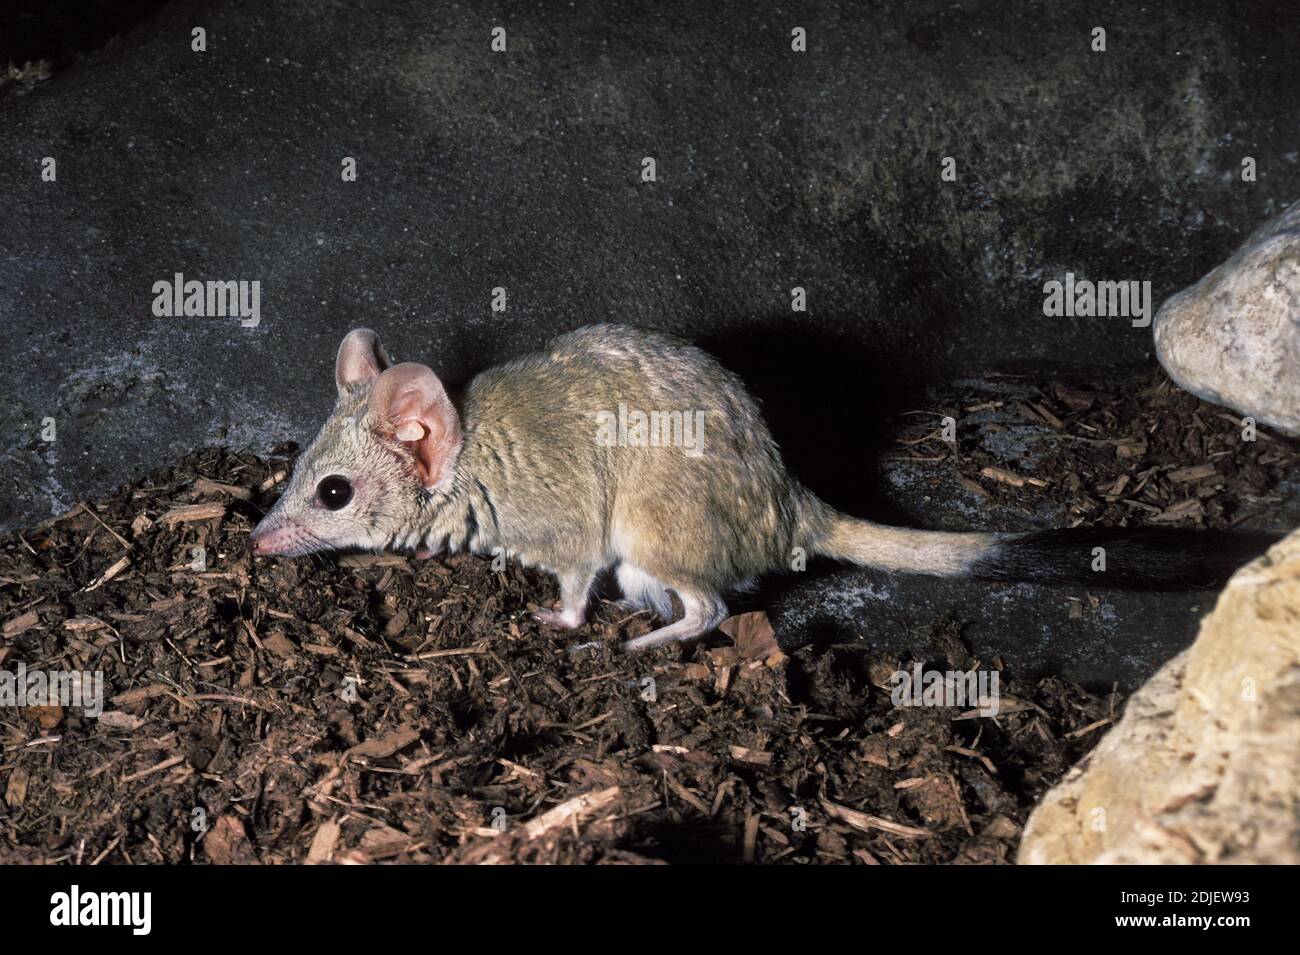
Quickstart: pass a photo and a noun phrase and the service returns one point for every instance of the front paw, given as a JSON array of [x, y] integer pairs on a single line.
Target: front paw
[[558, 619]]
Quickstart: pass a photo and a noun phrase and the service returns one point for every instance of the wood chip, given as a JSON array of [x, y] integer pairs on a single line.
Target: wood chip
[[122, 564], [185, 513], [386, 745], [1047, 416], [749, 845], [754, 757], [158, 768], [687, 796], [16, 790], [324, 842], [1008, 477], [1117, 488], [140, 694], [273, 480], [205, 486], [1130, 448], [584, 804], [867, 823], [1073, 398], [119, 720], [963, 751], [20, 623], [1198, 472], [84, 624], [1085, 730], [280, 645], [1190, 508], [227, 844]]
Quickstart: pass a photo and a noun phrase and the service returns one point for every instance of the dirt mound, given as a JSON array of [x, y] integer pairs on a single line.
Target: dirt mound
[[386, 708]]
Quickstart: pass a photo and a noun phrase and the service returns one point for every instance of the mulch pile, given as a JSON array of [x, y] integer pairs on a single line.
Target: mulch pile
[[1124, 453], [387, 709]]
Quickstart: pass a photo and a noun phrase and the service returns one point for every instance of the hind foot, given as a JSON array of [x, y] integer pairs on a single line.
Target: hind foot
[[704, 611]]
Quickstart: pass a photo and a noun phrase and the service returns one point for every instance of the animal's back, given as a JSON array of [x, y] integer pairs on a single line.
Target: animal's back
[[699, 493]]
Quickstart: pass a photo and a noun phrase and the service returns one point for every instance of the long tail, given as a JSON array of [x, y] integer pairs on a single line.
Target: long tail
[[1133, 558]]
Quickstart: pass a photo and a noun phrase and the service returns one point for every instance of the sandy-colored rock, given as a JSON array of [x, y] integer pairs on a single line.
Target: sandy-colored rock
[[1234, 337], [1205, 764]]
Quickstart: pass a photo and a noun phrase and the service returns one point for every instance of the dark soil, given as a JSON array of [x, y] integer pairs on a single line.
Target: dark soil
[[366, 709]]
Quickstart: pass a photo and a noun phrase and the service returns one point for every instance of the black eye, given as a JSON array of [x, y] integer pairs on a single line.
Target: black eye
[[334, 491]]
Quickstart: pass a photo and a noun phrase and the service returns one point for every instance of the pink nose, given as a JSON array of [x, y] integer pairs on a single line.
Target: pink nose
[[258, 540], [267, 538]]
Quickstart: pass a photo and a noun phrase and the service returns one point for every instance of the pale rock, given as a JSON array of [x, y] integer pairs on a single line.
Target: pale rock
[[1233, 338], [1204, 766]]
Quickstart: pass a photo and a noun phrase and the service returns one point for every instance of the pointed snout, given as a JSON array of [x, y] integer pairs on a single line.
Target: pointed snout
[[271, 537]]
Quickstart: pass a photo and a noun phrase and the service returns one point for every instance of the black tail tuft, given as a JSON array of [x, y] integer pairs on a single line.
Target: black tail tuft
[[1135, 558]]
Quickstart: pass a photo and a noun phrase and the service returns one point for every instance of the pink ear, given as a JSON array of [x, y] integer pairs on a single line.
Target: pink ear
[[361, 358], [410, 406]]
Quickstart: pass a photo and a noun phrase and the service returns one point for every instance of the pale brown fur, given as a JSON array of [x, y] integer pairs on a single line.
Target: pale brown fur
[[527, 474]]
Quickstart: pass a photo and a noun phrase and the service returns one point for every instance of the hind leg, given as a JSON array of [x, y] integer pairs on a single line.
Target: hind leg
[[641, 591], [704, 611], [574, 586]]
